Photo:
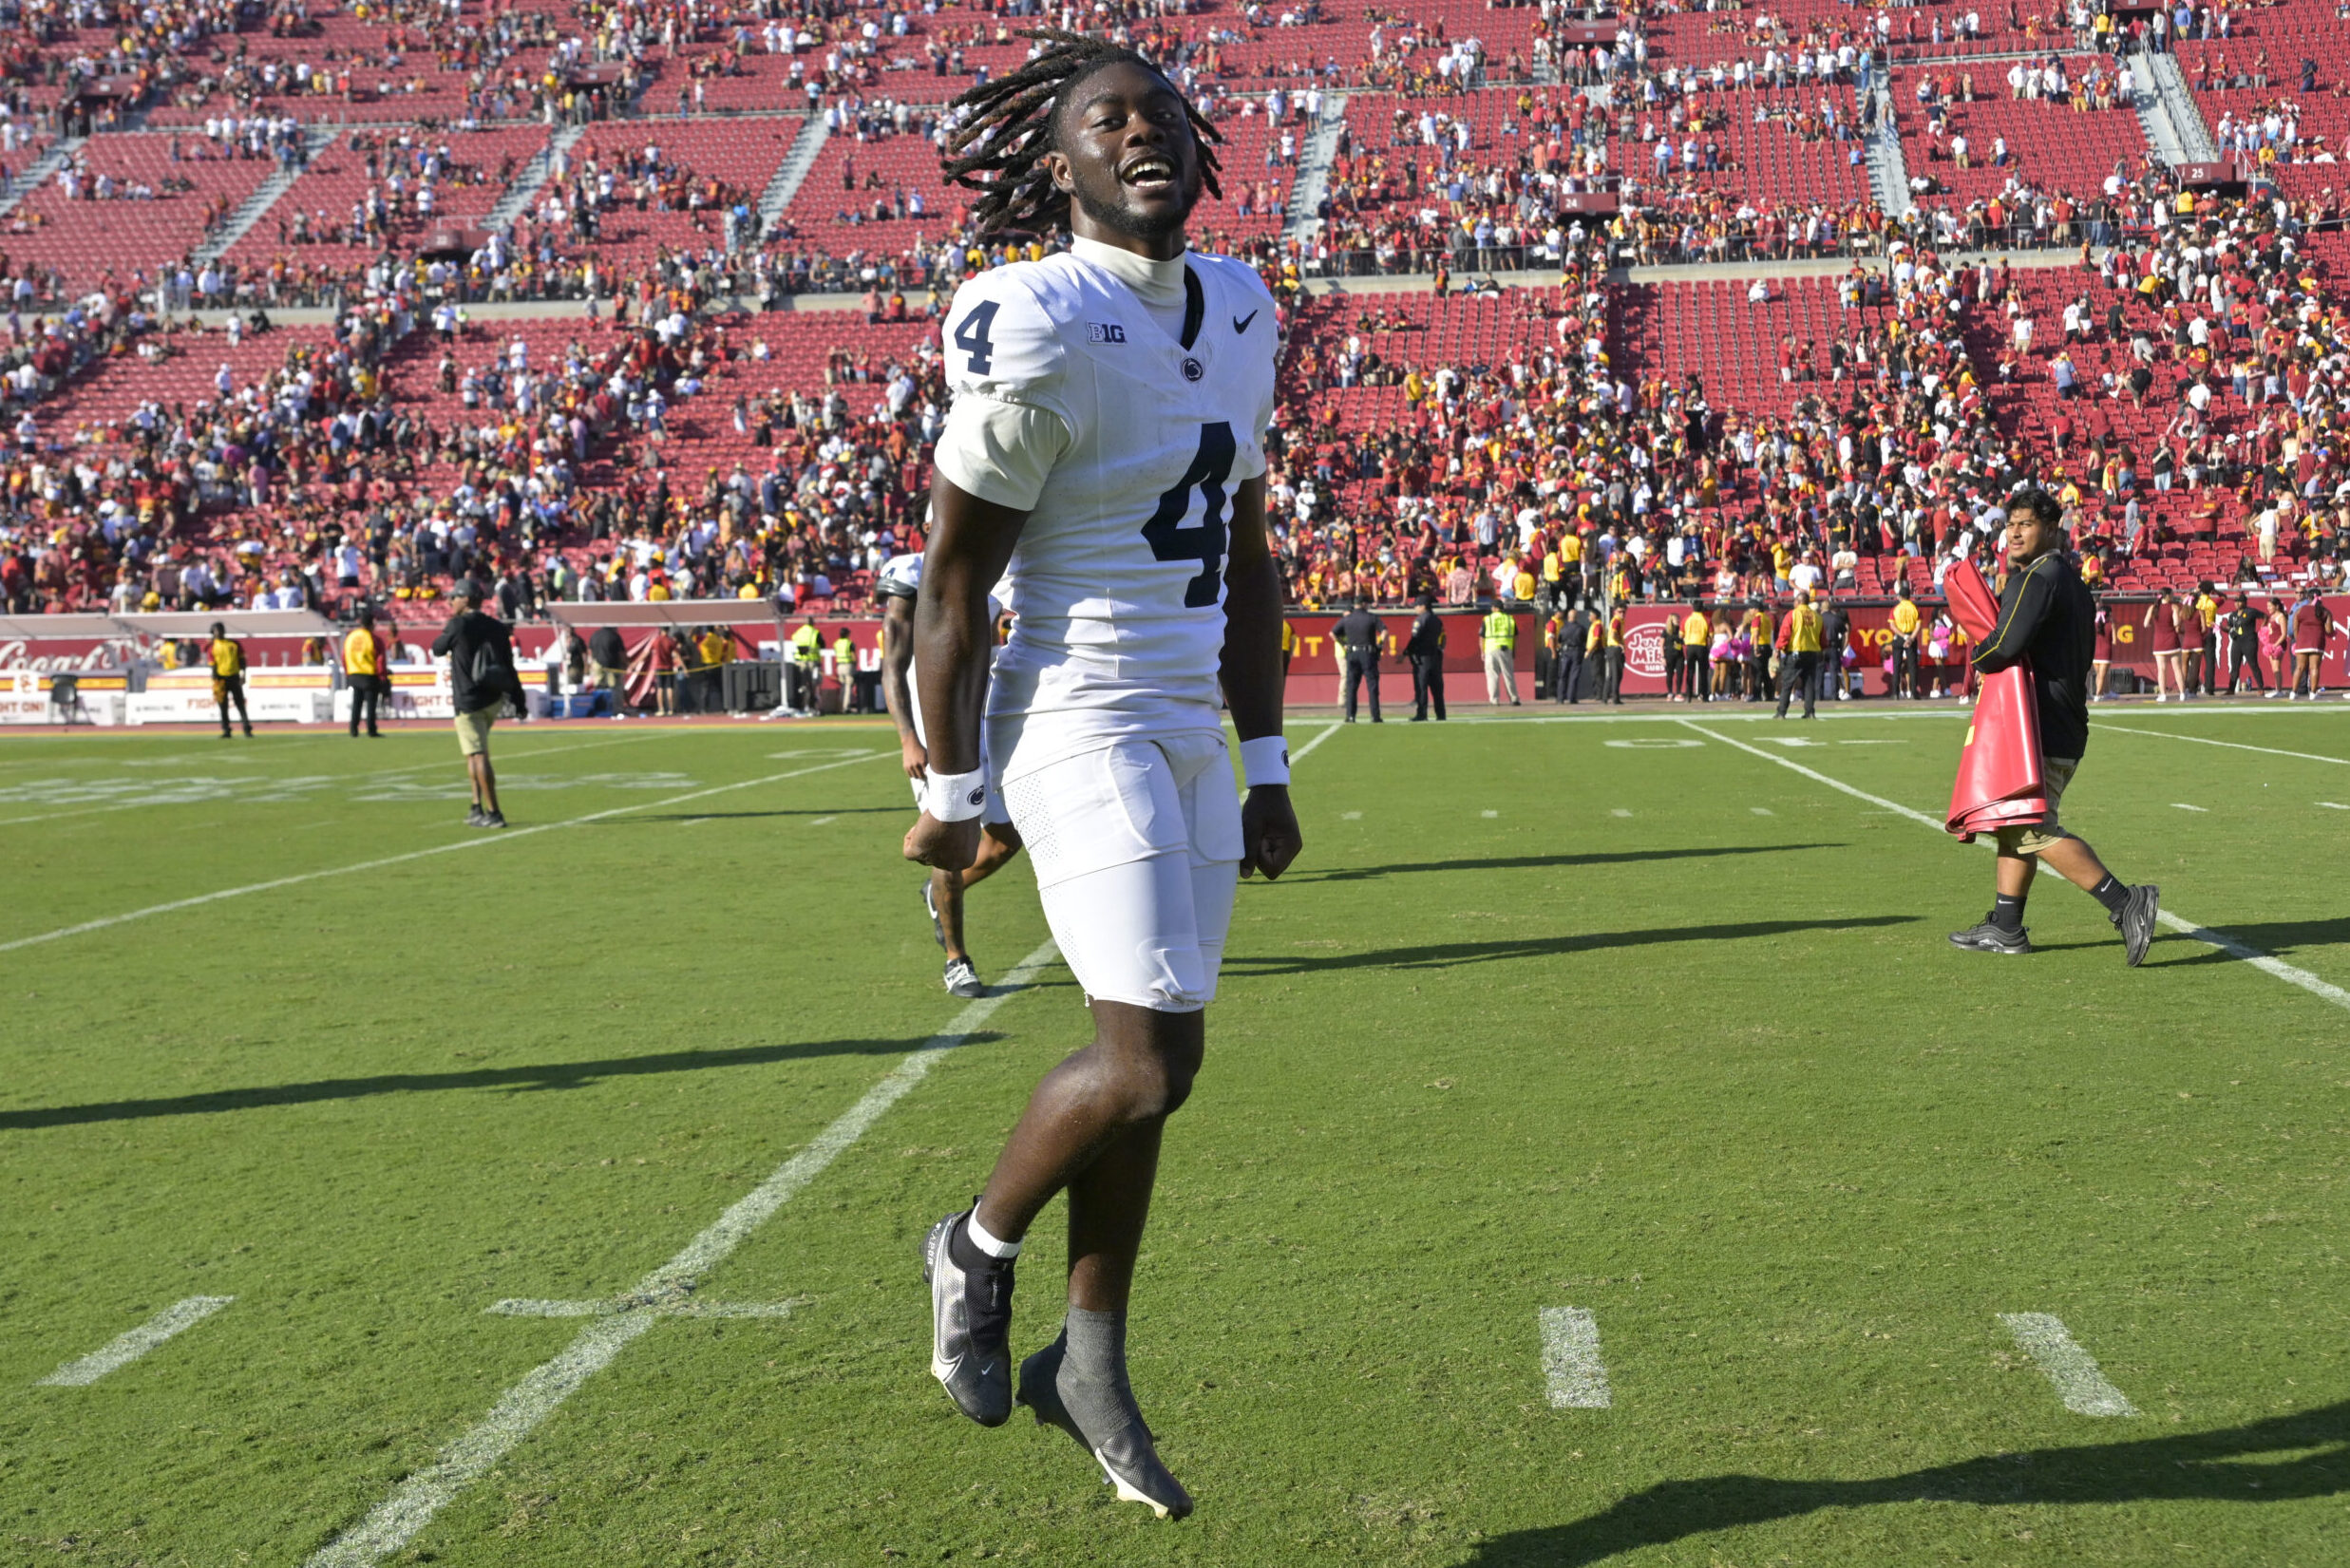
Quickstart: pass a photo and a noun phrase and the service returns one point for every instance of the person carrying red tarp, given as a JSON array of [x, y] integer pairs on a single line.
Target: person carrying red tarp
[[2031, 728]]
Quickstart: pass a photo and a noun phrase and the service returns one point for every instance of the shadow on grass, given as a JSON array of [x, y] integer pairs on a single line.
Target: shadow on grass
[[2263, 1462], [1528, 863], [1452, 954], [552, 1075], [2272, 937]]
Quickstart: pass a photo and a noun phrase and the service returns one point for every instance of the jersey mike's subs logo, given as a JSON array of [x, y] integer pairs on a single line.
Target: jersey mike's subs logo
[[1643, 649]]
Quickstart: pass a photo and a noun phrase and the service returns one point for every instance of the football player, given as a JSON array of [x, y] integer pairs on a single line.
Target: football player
[[899, 582], [1103, 456]]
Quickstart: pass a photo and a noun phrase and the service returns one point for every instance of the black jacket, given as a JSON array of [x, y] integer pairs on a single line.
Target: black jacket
[[2047, 615], [467, 634], [1359, 632], [1427, 636]]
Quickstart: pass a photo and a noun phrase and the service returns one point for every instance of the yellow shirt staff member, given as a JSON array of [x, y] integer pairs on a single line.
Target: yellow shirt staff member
[[363, 673], [228, 679], [1499, 637], [1904, 621], [1799, 662], [800, 670]]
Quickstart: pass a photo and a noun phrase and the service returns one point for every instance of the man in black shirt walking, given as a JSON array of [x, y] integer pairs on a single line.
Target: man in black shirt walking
[[2046, 616], [482, 677], [1359, 632], [1426, 651]]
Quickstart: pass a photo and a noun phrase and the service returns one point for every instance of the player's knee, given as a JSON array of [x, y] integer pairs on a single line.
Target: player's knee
[[1162, 1085]]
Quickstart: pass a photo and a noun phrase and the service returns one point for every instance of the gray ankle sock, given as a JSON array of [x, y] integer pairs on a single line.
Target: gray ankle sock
[[1092, 1382]]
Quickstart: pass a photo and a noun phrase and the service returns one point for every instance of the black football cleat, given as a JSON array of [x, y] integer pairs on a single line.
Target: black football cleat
[[1129, 1457], [2135, 920], [1987, 938], [969, 1326], [962, 979]]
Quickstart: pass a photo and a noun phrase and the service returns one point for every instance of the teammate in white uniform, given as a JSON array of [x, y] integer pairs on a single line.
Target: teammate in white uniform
[[1103, 453], [899, 582]]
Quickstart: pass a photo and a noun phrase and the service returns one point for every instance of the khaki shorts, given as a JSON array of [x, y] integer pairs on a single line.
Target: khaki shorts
[[2055, 772], [473, 730]]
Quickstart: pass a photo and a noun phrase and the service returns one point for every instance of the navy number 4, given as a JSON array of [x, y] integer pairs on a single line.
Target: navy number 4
[[970, 337], [1210, 470]]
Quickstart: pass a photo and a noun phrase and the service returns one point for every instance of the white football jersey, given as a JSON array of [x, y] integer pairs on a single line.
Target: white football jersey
[[900, 576], [1118, 578]]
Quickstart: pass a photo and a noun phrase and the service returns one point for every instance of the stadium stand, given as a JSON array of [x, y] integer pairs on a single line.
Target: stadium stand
[[413, 170]]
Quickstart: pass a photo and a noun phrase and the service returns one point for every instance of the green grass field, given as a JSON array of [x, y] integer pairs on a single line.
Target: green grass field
[[1624, 1017]]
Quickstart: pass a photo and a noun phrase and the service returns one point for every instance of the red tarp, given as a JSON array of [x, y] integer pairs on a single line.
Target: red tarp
[[1998, 782]]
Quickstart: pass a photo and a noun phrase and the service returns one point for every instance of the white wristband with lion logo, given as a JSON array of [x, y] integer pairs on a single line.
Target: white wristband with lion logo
[[1264, 760], [954, 797]]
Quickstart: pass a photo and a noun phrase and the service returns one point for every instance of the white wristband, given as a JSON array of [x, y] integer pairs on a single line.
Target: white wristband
[[1264, 760], [954, 797]]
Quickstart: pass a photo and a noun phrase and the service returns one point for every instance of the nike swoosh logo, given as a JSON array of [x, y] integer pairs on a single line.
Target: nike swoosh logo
[[1240, 322]]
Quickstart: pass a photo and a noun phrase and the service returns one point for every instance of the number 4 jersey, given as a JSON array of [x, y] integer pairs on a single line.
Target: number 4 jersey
[[1124, 433]]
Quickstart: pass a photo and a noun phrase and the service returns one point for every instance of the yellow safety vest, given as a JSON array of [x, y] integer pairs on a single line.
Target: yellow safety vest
[[1500, 631], [1802, 630], [804, 643], [359, 652], [228, 660], [843, 656]]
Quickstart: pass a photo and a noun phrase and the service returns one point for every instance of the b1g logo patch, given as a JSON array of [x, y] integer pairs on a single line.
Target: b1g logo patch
[[1193, 369], [1104, 331]]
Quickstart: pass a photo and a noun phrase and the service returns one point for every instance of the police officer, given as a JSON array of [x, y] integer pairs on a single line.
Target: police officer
[[1835, 626], [1567, 670], [1359, 634], [2240, 626], [1426, 651]]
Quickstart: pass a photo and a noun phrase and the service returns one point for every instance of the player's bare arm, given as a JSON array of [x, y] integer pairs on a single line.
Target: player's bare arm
[[897, 658], [1251, 674], [971, 541]]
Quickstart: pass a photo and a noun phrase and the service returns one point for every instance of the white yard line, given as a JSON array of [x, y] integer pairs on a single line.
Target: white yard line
[[130, 1346], [395, 1520], [1571, 1365], [2073, 1370], [685, 1307], [2232, 745], [1300, 755], [2267, 963], [363, 776], [2182, 805], [485, 838]]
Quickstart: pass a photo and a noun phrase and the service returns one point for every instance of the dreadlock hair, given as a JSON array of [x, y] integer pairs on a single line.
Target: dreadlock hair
[[999, 150]]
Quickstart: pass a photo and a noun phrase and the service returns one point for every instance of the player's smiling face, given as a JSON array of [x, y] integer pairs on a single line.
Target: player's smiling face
[[1123, 151]]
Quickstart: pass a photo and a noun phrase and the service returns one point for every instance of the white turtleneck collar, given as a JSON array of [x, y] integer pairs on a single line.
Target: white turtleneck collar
[[1158, 284]]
